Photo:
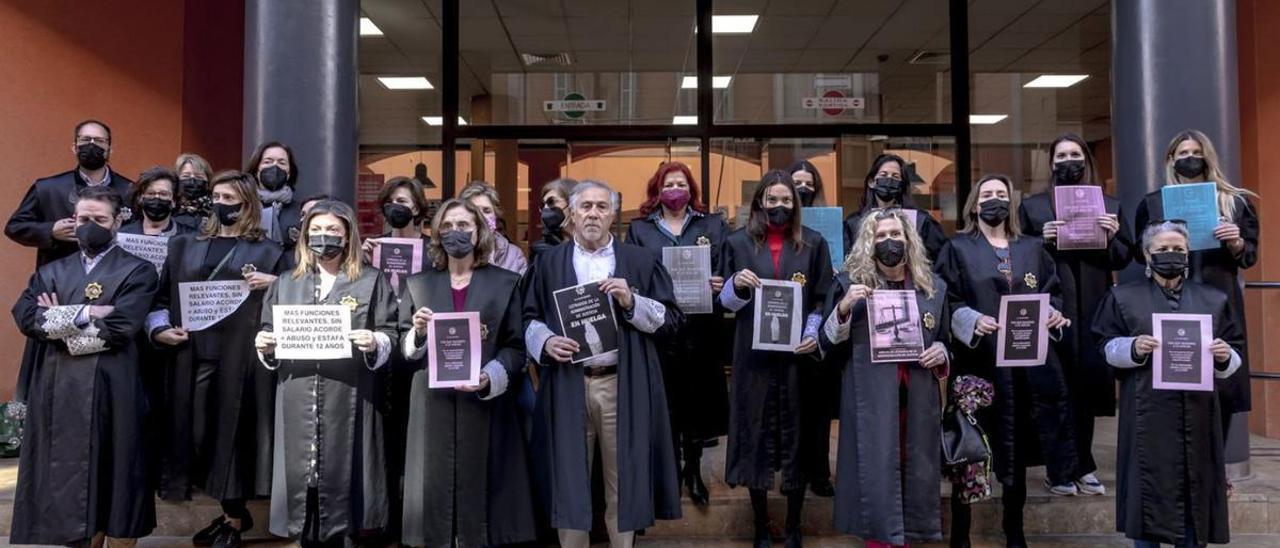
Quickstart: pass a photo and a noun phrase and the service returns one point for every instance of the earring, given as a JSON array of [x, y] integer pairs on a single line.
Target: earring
[[1148, 271]]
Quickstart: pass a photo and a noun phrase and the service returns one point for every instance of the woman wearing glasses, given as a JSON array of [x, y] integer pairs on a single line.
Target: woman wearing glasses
[[1085, 276], [1191, 158], [1170, 474]]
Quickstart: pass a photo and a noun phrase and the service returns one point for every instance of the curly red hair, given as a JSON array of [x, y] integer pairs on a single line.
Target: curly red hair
[[654, 188]]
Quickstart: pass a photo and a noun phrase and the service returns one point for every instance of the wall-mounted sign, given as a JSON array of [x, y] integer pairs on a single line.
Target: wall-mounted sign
[[574, 105], [833, 102]]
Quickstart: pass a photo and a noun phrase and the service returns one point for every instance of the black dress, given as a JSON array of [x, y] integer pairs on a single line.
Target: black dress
[[1218, 268], [83, 468], [328, 433], [1170, 467], [466, 465], [220, 402], [766, 407], [1029, 422], [693, 359]]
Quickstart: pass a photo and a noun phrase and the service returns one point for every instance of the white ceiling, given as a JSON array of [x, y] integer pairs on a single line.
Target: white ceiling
[[1010, 42]]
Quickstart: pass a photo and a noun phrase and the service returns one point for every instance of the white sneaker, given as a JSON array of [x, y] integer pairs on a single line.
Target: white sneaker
[[1064, 490], [1089, 485]]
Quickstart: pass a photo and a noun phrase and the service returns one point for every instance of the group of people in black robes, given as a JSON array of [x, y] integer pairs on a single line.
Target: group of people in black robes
[[125, 402]]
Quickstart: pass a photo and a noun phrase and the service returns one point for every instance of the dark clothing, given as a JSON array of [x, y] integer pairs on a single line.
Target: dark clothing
[[765, 410], [49, 200], [220, 401], [466, 467], [929, 229], [693, 359], [175, 228], [1169, 464], [647, 475], [882, 493], [1030, 419], [1219, 269], [83, 468]]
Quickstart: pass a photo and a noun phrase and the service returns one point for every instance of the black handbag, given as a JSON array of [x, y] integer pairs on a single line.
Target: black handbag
[[963, 441]]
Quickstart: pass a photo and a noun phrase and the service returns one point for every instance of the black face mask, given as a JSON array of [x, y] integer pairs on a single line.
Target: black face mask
[[552, 218], [994, 211], [93, 238], [457, 243], [326, 246], [91, 157], [398, 215], [1068, 172], [779, 215], [888, 190], [1168, 265], [273, 177], [193, 188], [157, 209], [891, 252], [1189, 167], [227, 214], [806, 195]]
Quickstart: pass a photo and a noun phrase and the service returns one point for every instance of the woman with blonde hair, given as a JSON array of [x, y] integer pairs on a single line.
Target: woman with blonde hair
[[505, 254], [1191, 158], [329, 421], [1030, 421], [219, 403], [192, 192], [903, 485]]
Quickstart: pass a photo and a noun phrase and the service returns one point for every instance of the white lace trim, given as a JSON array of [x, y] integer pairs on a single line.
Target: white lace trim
[[87, 342], [60, 321]]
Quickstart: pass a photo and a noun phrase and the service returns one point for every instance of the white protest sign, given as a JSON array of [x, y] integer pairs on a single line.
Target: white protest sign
[[152, 248], [311, 332], [204, 304]]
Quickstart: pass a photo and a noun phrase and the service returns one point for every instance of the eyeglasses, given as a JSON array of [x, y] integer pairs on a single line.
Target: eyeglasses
[[1156, 222], [85, 139]]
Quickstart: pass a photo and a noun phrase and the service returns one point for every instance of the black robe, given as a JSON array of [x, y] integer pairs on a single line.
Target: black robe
[[1085, 275], [83, 468], [1030, 416], [466, 473], [290, 219], [648, 486], [328, 412], [48, 200], [175, 228], [1218, 268], [765, 408], [929, 229], [218, 438], [693, 360], [1170, 441], [878, 495]]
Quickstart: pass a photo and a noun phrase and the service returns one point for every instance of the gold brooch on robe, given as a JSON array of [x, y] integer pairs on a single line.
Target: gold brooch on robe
[[929, 321], [484, 332], [1030, 280], [703, 240], [349, 302], [248, 269], [93, 290], [799, 278]]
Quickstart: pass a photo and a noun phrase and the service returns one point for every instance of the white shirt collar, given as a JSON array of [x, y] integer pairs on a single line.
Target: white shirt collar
[[106, 177], [605, 251]]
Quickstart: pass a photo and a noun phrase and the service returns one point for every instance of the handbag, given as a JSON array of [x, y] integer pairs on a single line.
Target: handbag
[[963, 441], [966, 452]]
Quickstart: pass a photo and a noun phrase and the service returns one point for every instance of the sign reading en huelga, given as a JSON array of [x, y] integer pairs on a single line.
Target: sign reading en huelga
[[204, 304]]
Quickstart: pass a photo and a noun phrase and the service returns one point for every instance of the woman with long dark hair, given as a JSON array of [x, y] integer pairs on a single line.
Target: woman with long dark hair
[[1085, 276], [765, 409], [673, 215], [1030, 422], [275, 168], [888, 184]]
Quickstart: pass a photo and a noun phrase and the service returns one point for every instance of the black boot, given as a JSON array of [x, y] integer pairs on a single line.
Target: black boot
[[795, 505], [1014, 500], [961, 517], [693, 475], [760, 513]]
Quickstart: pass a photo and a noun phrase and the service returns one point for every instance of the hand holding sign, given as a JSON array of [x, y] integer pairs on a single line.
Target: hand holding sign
[[1221, 350], [265, 342], [363, 339]]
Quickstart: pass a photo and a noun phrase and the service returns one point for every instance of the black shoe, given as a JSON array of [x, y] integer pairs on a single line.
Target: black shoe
[[228, 537], [793, 539], [1015, 540], [822, 487], [763, 540], [697, 489], [206, 535]]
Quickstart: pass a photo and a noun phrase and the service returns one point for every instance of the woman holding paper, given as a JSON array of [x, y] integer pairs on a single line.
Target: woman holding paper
[[673, 215], [888, 184], [153, 196], [1029, 423], [1170, 470], [1191, 158], [888, 257], [329, 421], [404, 208], [764, 412], [220, 402], [1085, 258], [466, 474]]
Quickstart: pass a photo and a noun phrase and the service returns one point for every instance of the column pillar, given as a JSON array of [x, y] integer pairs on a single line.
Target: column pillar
[[300, 87], [1173, 67]]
